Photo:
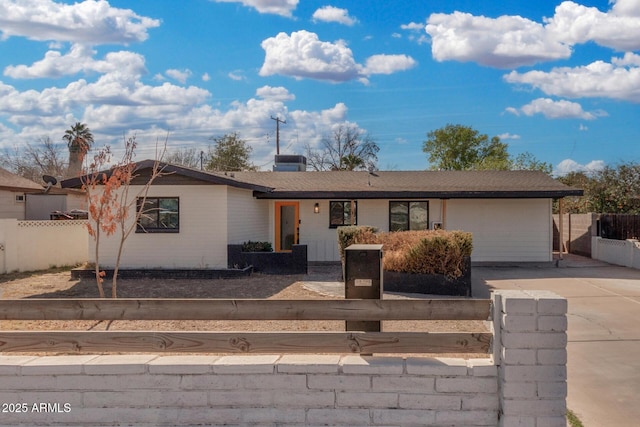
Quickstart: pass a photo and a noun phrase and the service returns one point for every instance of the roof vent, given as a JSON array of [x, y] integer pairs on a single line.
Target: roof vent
[[290, 163]]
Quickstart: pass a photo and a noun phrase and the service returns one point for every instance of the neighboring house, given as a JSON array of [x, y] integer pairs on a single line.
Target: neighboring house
[[56, 203], [13, 190], [23, 199], [195, 214]]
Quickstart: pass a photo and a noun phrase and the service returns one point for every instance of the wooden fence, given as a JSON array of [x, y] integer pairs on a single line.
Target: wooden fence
[[244, 342], [619, 226]]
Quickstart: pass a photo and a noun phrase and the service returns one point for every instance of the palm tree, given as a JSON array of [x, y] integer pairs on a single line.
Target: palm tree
[[79, 139]]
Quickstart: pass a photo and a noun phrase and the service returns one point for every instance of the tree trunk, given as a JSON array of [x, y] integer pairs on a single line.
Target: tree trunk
[[76, 157]]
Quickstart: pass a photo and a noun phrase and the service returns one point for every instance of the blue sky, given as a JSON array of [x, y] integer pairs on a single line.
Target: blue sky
[[560, 80]]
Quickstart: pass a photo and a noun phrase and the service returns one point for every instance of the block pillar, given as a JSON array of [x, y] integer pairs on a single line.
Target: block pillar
[[530, 351]]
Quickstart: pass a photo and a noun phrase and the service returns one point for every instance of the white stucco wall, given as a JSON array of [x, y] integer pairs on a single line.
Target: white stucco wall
[[248, 217], [201, 242], [322, 241], [9, 208], [509, 230], [38, 245]]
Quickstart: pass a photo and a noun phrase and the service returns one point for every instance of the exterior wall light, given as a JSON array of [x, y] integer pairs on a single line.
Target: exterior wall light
[[316, 208]]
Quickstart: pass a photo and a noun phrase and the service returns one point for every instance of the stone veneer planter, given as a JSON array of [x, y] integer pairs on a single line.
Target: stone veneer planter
[[294, 262], [433, 284]]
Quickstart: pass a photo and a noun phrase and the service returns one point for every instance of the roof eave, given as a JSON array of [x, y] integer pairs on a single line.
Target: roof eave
[[516, 194]]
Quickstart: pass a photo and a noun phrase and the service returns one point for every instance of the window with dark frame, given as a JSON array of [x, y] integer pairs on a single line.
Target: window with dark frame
[[159, 215], [408, 215], [340, 213]]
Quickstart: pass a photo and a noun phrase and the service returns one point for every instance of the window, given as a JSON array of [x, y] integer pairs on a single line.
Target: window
[[159, 215], [20, 198], [340, 213], [405, 216]]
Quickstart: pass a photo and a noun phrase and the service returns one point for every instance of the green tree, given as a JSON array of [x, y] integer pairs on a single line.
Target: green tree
[[527, 161], [79, 140], [347, 148], [458, 147], [614, 189], [229, 153], [617, 189], [576, 204]]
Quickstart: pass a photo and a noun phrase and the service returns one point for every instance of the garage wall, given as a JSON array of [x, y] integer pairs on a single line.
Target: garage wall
[[509, 230]]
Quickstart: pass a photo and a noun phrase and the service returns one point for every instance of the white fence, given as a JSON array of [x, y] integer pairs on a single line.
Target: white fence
[[619, 252], [38, 245]]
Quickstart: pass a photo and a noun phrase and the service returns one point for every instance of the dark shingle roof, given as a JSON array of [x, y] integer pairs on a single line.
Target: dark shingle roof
[[378, 185], [11, 181], [408, 184]]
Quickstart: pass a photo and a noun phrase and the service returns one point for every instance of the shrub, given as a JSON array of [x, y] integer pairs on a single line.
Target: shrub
[[422, 252], [354, 234], [256, 247]]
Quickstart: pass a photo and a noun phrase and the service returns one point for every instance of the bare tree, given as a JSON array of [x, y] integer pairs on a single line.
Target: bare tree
[[346, 148], [110, 201], [189, 157], [33, 161]]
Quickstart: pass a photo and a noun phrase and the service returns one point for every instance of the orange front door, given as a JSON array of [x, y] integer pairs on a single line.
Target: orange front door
[[287, 225]]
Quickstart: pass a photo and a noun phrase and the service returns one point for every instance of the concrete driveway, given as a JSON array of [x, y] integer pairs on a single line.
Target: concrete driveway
[[604, 331]]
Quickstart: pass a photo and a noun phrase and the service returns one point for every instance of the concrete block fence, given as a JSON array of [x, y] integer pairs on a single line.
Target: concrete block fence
[[38, 245], [523, 383]]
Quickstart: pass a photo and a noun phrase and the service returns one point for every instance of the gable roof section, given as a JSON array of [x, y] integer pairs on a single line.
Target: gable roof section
[[365, 185], [144, 167], [13, 182], [407, 184]]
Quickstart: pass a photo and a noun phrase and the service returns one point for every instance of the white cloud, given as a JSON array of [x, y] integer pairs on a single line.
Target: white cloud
[[275, 93], [79, 59], [504, 42], [277, 7], [413, 26], [206, 77], [334, 14], [236, 75], [416, 32], [113, 106], [388, 64], [179, 75], [303, 55], [90, 22], [568, 165], [508, 135], [583, 128], [629, 59], [513, 41], [598, 79], [561, 109], [618, 28]]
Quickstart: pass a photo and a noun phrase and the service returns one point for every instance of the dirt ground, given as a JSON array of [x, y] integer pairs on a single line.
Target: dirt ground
[[58, 284]]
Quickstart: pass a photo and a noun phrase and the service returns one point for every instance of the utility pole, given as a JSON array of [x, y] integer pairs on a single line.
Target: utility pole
[[278, 121]]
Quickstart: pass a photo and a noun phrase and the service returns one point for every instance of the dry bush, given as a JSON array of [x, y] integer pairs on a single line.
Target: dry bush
[[423, 252]]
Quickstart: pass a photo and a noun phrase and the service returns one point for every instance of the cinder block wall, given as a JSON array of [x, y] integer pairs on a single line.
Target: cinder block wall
[[578, 229], [523, 384], [531, 358]]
